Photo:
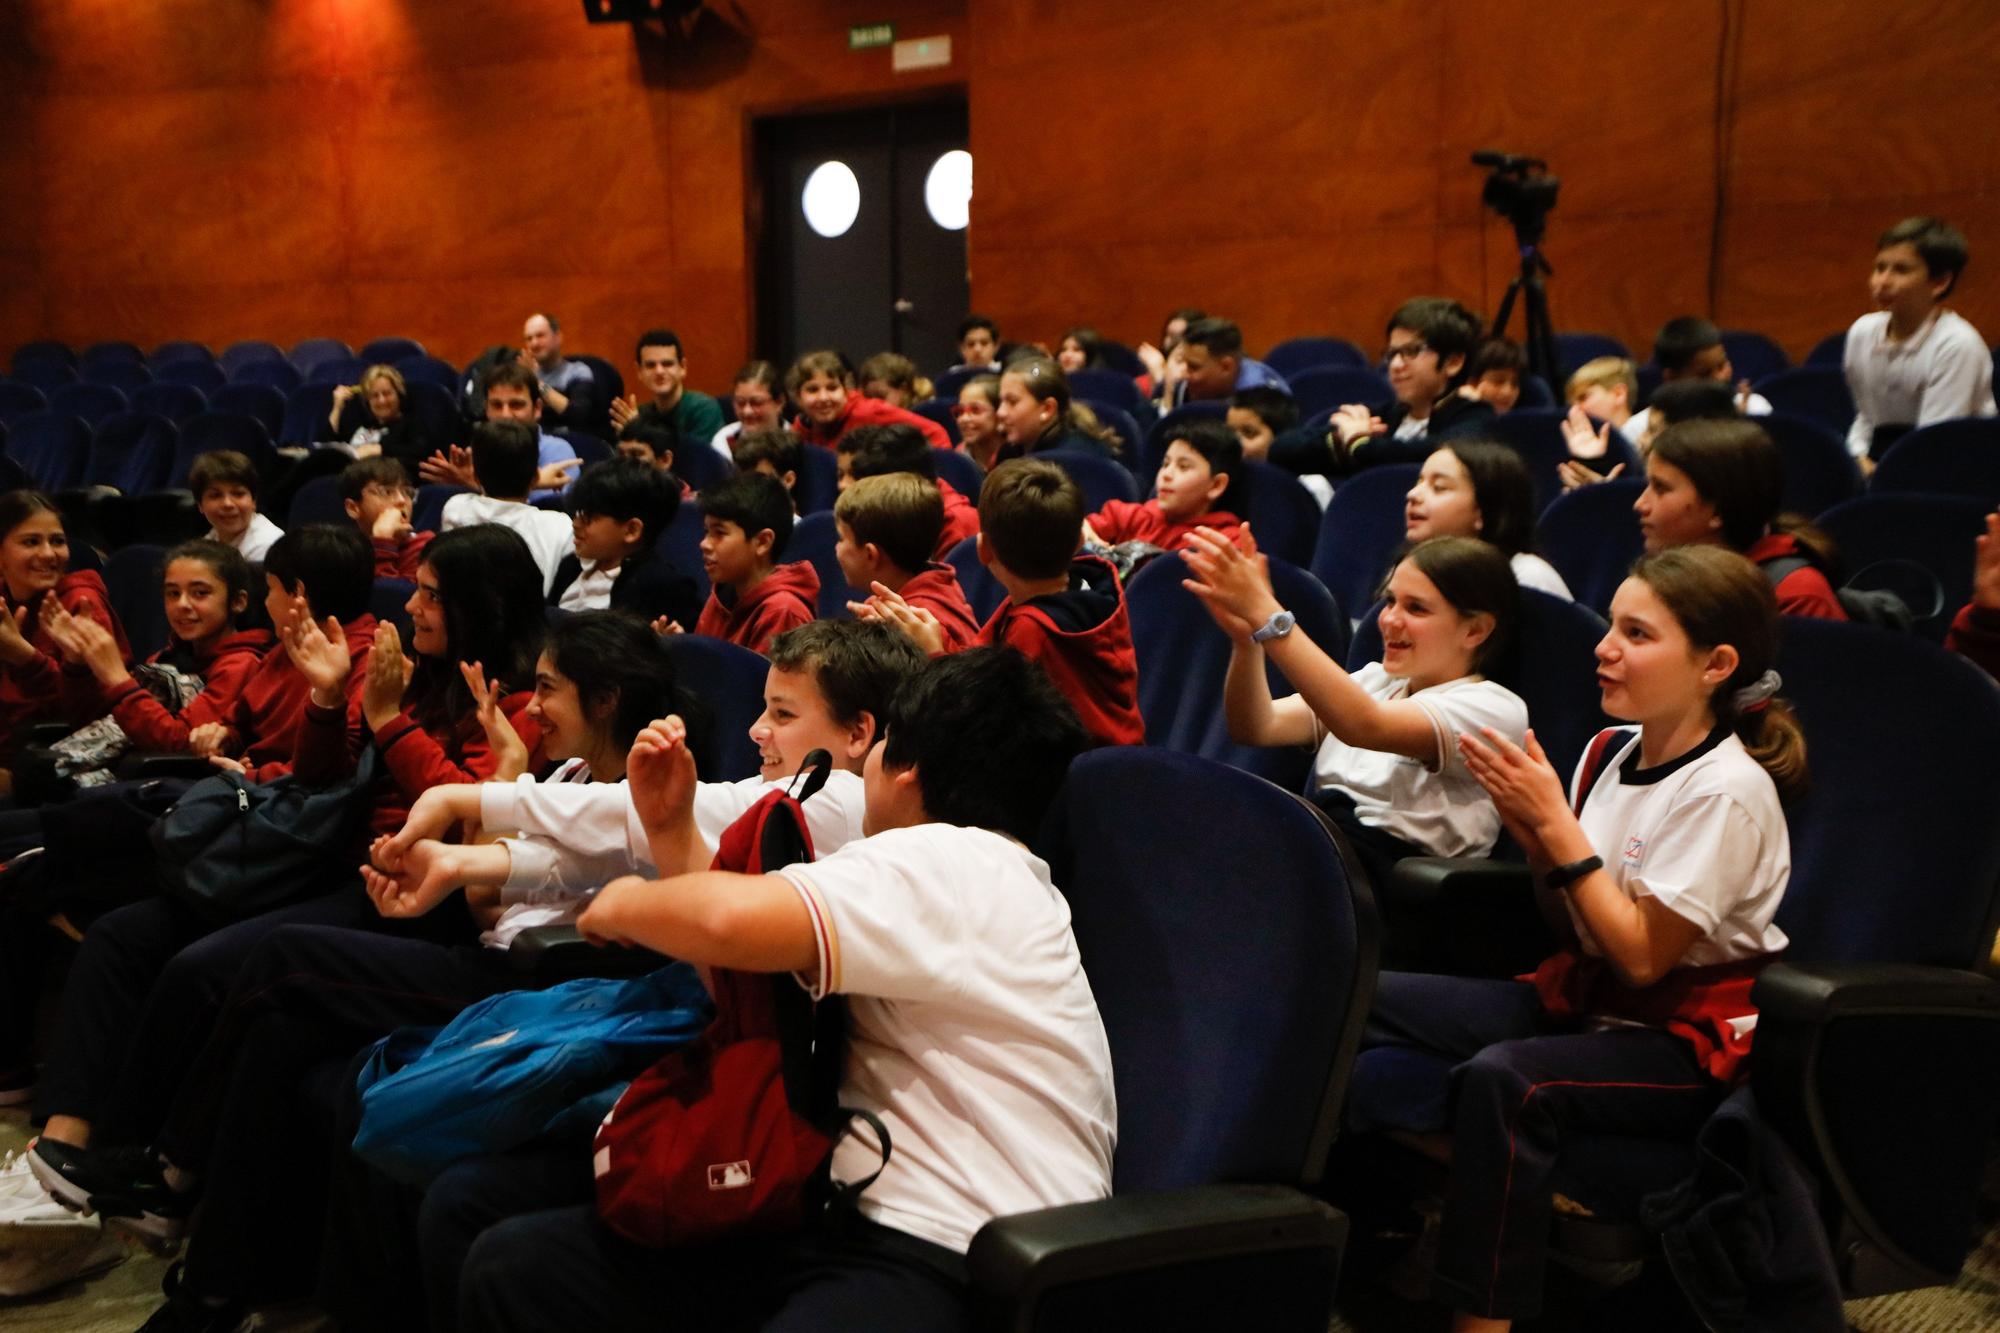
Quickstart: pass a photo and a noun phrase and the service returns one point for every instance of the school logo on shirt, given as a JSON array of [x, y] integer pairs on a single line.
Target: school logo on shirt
[[729, 1175], [1635, 850]]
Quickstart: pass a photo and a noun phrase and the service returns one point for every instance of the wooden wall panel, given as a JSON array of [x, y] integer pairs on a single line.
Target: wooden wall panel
[[280, 168]]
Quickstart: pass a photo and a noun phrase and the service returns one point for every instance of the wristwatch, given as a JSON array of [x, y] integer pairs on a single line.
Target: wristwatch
[[1278, 626]]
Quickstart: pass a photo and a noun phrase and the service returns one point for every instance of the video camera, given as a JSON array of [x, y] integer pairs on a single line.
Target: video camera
[[1521, 190]]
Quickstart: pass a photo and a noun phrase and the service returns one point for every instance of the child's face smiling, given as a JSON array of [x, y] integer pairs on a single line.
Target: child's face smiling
[[822, 397], [795, 722], [1186, 483], [229, 506]]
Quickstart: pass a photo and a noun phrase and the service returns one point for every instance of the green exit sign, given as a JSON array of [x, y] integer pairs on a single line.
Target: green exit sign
[[870, 34]]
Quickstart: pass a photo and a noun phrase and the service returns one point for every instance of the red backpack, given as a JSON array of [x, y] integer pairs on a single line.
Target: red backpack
[[731, 1134]]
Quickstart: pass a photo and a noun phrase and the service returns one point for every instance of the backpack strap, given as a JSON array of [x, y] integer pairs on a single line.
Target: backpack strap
[[844, 1118], [1592, 767]]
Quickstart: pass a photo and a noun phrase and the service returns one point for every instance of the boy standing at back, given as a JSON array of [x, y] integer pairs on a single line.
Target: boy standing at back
[[888, 530], [1063, 610], [746, 525], [973, 1031], [1911, 361]]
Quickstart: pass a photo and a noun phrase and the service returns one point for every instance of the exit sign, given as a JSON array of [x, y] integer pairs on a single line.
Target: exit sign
[[870, 34]]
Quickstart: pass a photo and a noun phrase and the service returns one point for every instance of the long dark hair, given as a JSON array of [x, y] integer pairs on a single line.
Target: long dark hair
[[491, 589], [614, 656]]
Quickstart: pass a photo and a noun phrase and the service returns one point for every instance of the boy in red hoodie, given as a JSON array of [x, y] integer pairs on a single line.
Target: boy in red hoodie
[[822, 384], [1200, 485], [746, 524], [376, 494], [875, 451], [888, 529], [1064, 610]]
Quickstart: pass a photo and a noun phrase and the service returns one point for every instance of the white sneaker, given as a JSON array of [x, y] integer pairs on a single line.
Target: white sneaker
[[42, 1243]]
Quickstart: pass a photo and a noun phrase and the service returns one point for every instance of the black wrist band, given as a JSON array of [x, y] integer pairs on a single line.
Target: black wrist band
[[1563, 876]]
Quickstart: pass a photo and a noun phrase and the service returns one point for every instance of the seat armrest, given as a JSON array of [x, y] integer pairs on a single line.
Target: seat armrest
[[562, 951], [1190, 1252], [141, 767], [44, 734], [1885, 1079], [1462, 916]]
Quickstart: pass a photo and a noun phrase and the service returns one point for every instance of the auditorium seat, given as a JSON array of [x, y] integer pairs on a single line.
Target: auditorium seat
[[262, 402], [1121, 358], [175, 402], [91, 401], [1591, 536], [1934, 531], [239, 354], [131, 452], [112, 351], [312, 351], [337, 370], [116, 372], [1815, 391], [168, 352], [1960, 457], [282, 376], [1283, 513], [960, 472], [729, 681], [132, 576], [1753, 356], [203, 375], [940, 411], [390, 604], [681, 544], [317, 501], [47, 375], [18, 399], [429, 370], [813, 539], [1362, 525], [1129, 435], [46, 350], [1573, 349], [427, 508], [1294, 355], [949, 382], [1325, 387], [208, 431], [982, 591], [51, 447], [605, 384], [1184, 659], [308, 410], [1819, 472], [435, 409], [1828, 351], [819, 481], [388, 351], [1101, 479], [1232, 1004], [1105, 386]]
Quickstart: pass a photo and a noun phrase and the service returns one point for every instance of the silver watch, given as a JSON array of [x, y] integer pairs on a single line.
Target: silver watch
[[1277, 627]]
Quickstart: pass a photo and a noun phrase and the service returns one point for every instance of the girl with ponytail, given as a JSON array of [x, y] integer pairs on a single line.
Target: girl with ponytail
[[1664, 863]]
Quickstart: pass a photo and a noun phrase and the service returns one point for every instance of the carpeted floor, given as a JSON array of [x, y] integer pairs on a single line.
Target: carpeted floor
[[120, 1300]]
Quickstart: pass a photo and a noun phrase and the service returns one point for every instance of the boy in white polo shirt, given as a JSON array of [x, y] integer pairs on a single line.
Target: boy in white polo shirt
[[973, 1033], [1911, 361]]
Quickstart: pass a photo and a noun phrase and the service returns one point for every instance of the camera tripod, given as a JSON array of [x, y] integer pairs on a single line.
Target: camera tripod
[[1538, 338]]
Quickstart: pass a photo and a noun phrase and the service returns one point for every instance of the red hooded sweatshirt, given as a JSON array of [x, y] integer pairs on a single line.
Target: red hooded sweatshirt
[[961, 519], [863, 411], [399, 560], [1145, 521], [786, 598], [273, 701], [1803, 592], [936, 589], [33, 691], [225, 669], [1975, 632], [1083, 639]]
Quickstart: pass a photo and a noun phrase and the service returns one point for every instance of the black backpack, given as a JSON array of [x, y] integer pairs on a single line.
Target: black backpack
[[1865, 605]]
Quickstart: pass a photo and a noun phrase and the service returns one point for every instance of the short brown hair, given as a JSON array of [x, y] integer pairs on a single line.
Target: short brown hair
[[900, 512], [220, 467], [1032, 514], [513, 375], [814, 364]]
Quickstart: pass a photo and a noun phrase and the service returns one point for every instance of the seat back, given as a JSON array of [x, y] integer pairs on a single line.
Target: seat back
[[46, 375], [430, 370], [317, 501], [113, 351], [197, 374], [1362, 525], [729, 679], [388, 351], [1828, 351], [338, 370], [435, 411], [91, 401], [131, 452], [179, 351], [211, 430], [132, 576], [116, 372], [427, 509], [1324, 387], [280, 375], [1101, 479], [1592, 537], [940, 411], [1752, 355], [308, 413], [1121, 358], [819, 481], [1815, 391], [240, 354], [982, 591], [605, 384], [1231, 1030], [51, 447], [1122, 424], [1183, 660], [1283, 513], [1934, 531], [262, 402], [18, 399], [1155, 446], [175, 402], [1573, 349], [681, 544], [949, 382], [813, 539], [1960, 457], [1895, 850], [1295, 355], [1105, 386], [1819, 472], [312, 351], [389, 603], [1536, 434], [46, 350], [960, 472], [1554, 670]]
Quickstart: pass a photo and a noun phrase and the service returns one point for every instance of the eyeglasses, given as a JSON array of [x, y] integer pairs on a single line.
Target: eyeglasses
[[1408, 351]]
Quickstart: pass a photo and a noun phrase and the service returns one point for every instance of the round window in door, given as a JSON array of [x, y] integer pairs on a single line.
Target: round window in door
[[832, 199], [948, 190]]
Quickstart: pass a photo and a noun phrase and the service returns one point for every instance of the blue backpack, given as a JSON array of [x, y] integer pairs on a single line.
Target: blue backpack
[[517, 1066]]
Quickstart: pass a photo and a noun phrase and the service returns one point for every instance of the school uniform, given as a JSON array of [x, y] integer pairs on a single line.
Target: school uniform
[[32, 692], [863, 411], [550, 536], [644, 583], [256, 541], [225, 669], [1975, 633], [1083, 638], [961, 519], [1511, 1067], [1144, 521], [1531, 571], [972, 1033], [399, 559], [1408, 439], [784, 599], [936, 589], [1943, 371]]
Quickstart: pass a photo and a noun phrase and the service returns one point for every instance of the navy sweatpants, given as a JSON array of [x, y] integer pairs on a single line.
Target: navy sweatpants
[[1482, 1059]]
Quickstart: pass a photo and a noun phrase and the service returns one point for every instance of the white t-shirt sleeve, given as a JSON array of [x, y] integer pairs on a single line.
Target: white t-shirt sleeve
[[1531, 571], [886, 923], [1958, 382], [1462, 710], [1695, 864]]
